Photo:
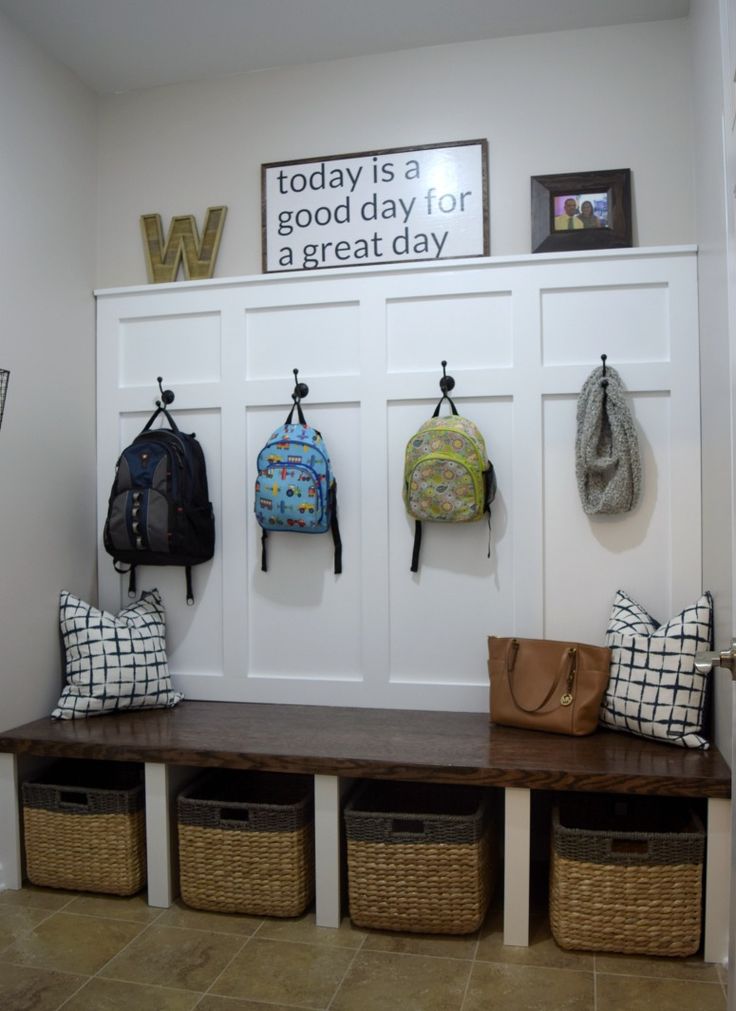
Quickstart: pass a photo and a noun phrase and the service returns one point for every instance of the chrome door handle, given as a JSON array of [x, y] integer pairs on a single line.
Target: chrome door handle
[[705, 662]]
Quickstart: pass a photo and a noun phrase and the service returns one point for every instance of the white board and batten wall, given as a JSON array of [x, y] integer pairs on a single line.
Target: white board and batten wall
[[520, 336]]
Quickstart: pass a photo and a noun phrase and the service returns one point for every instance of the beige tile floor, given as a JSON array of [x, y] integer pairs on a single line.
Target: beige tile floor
[[92, 953]]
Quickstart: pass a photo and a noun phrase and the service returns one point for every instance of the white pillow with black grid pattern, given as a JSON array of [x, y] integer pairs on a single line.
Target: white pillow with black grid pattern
[[654, 690], [113, 662]]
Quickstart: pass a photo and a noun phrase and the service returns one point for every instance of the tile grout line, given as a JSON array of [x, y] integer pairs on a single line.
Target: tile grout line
[[441, 958], [94, 975], [71, 995], [347, 970], [65, 909], [146, 926], [595, 982], [246, 940], [30, 931], [472, 964], [662, 978], [251, 937], [23, 905]]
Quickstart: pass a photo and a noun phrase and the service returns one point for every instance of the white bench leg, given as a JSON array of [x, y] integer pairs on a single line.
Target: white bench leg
[[163, 782], [717, 874], [159, 835], [327, 863], [11, 872], [517, 856]]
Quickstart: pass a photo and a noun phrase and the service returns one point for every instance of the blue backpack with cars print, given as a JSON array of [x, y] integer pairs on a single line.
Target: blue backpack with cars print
[[295, 488]]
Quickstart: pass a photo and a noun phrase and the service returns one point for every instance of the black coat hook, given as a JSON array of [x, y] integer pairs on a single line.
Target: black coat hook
[[4, 379], [604, 381], [167, 396], [301, 390], [447, 383]]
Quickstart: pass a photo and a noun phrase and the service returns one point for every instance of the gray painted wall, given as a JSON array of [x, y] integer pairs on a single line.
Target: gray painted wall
[[47, 440]]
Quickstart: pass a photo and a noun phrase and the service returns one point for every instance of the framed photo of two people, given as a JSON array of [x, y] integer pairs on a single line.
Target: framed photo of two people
[[581, 210]]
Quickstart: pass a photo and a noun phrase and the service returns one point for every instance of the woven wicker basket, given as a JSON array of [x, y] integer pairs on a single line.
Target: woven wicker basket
[[420, 857], [84, 827], [246, 843], [627, 877]]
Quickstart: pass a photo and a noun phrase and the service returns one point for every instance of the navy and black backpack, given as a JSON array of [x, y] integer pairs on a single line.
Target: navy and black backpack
[[159, 512]]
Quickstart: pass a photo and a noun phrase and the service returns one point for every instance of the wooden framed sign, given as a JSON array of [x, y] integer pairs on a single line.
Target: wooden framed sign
[[375, 207]]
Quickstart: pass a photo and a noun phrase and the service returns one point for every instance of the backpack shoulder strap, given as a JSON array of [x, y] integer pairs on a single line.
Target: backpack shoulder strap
[[300, 413], [336, 539], [417, 546], [161, 410], [264, 535], [132, 582], [439, 404]]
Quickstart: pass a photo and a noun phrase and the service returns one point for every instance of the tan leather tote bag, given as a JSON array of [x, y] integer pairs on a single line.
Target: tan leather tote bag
[[540, 684]]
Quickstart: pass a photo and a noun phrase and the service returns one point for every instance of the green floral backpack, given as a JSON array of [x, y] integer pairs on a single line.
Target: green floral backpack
[[448, 477]]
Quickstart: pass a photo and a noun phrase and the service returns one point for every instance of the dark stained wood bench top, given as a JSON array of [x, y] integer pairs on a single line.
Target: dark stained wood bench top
[[380, 744]]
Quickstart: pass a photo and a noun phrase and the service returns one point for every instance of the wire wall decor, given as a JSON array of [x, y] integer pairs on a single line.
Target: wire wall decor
[[4, 377]]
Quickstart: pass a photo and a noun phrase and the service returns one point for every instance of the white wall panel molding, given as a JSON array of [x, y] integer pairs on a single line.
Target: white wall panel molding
[[520, 335]]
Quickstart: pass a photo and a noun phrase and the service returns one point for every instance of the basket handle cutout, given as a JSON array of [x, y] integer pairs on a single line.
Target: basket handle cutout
[[413, 826], [234, 814], [633, 846], [73, 799]]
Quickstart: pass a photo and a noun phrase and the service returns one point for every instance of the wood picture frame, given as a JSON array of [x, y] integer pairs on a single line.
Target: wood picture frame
[[599, 219]]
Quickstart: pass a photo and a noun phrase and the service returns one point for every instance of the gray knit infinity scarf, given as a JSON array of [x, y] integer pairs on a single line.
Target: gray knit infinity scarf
[[607, 463]]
